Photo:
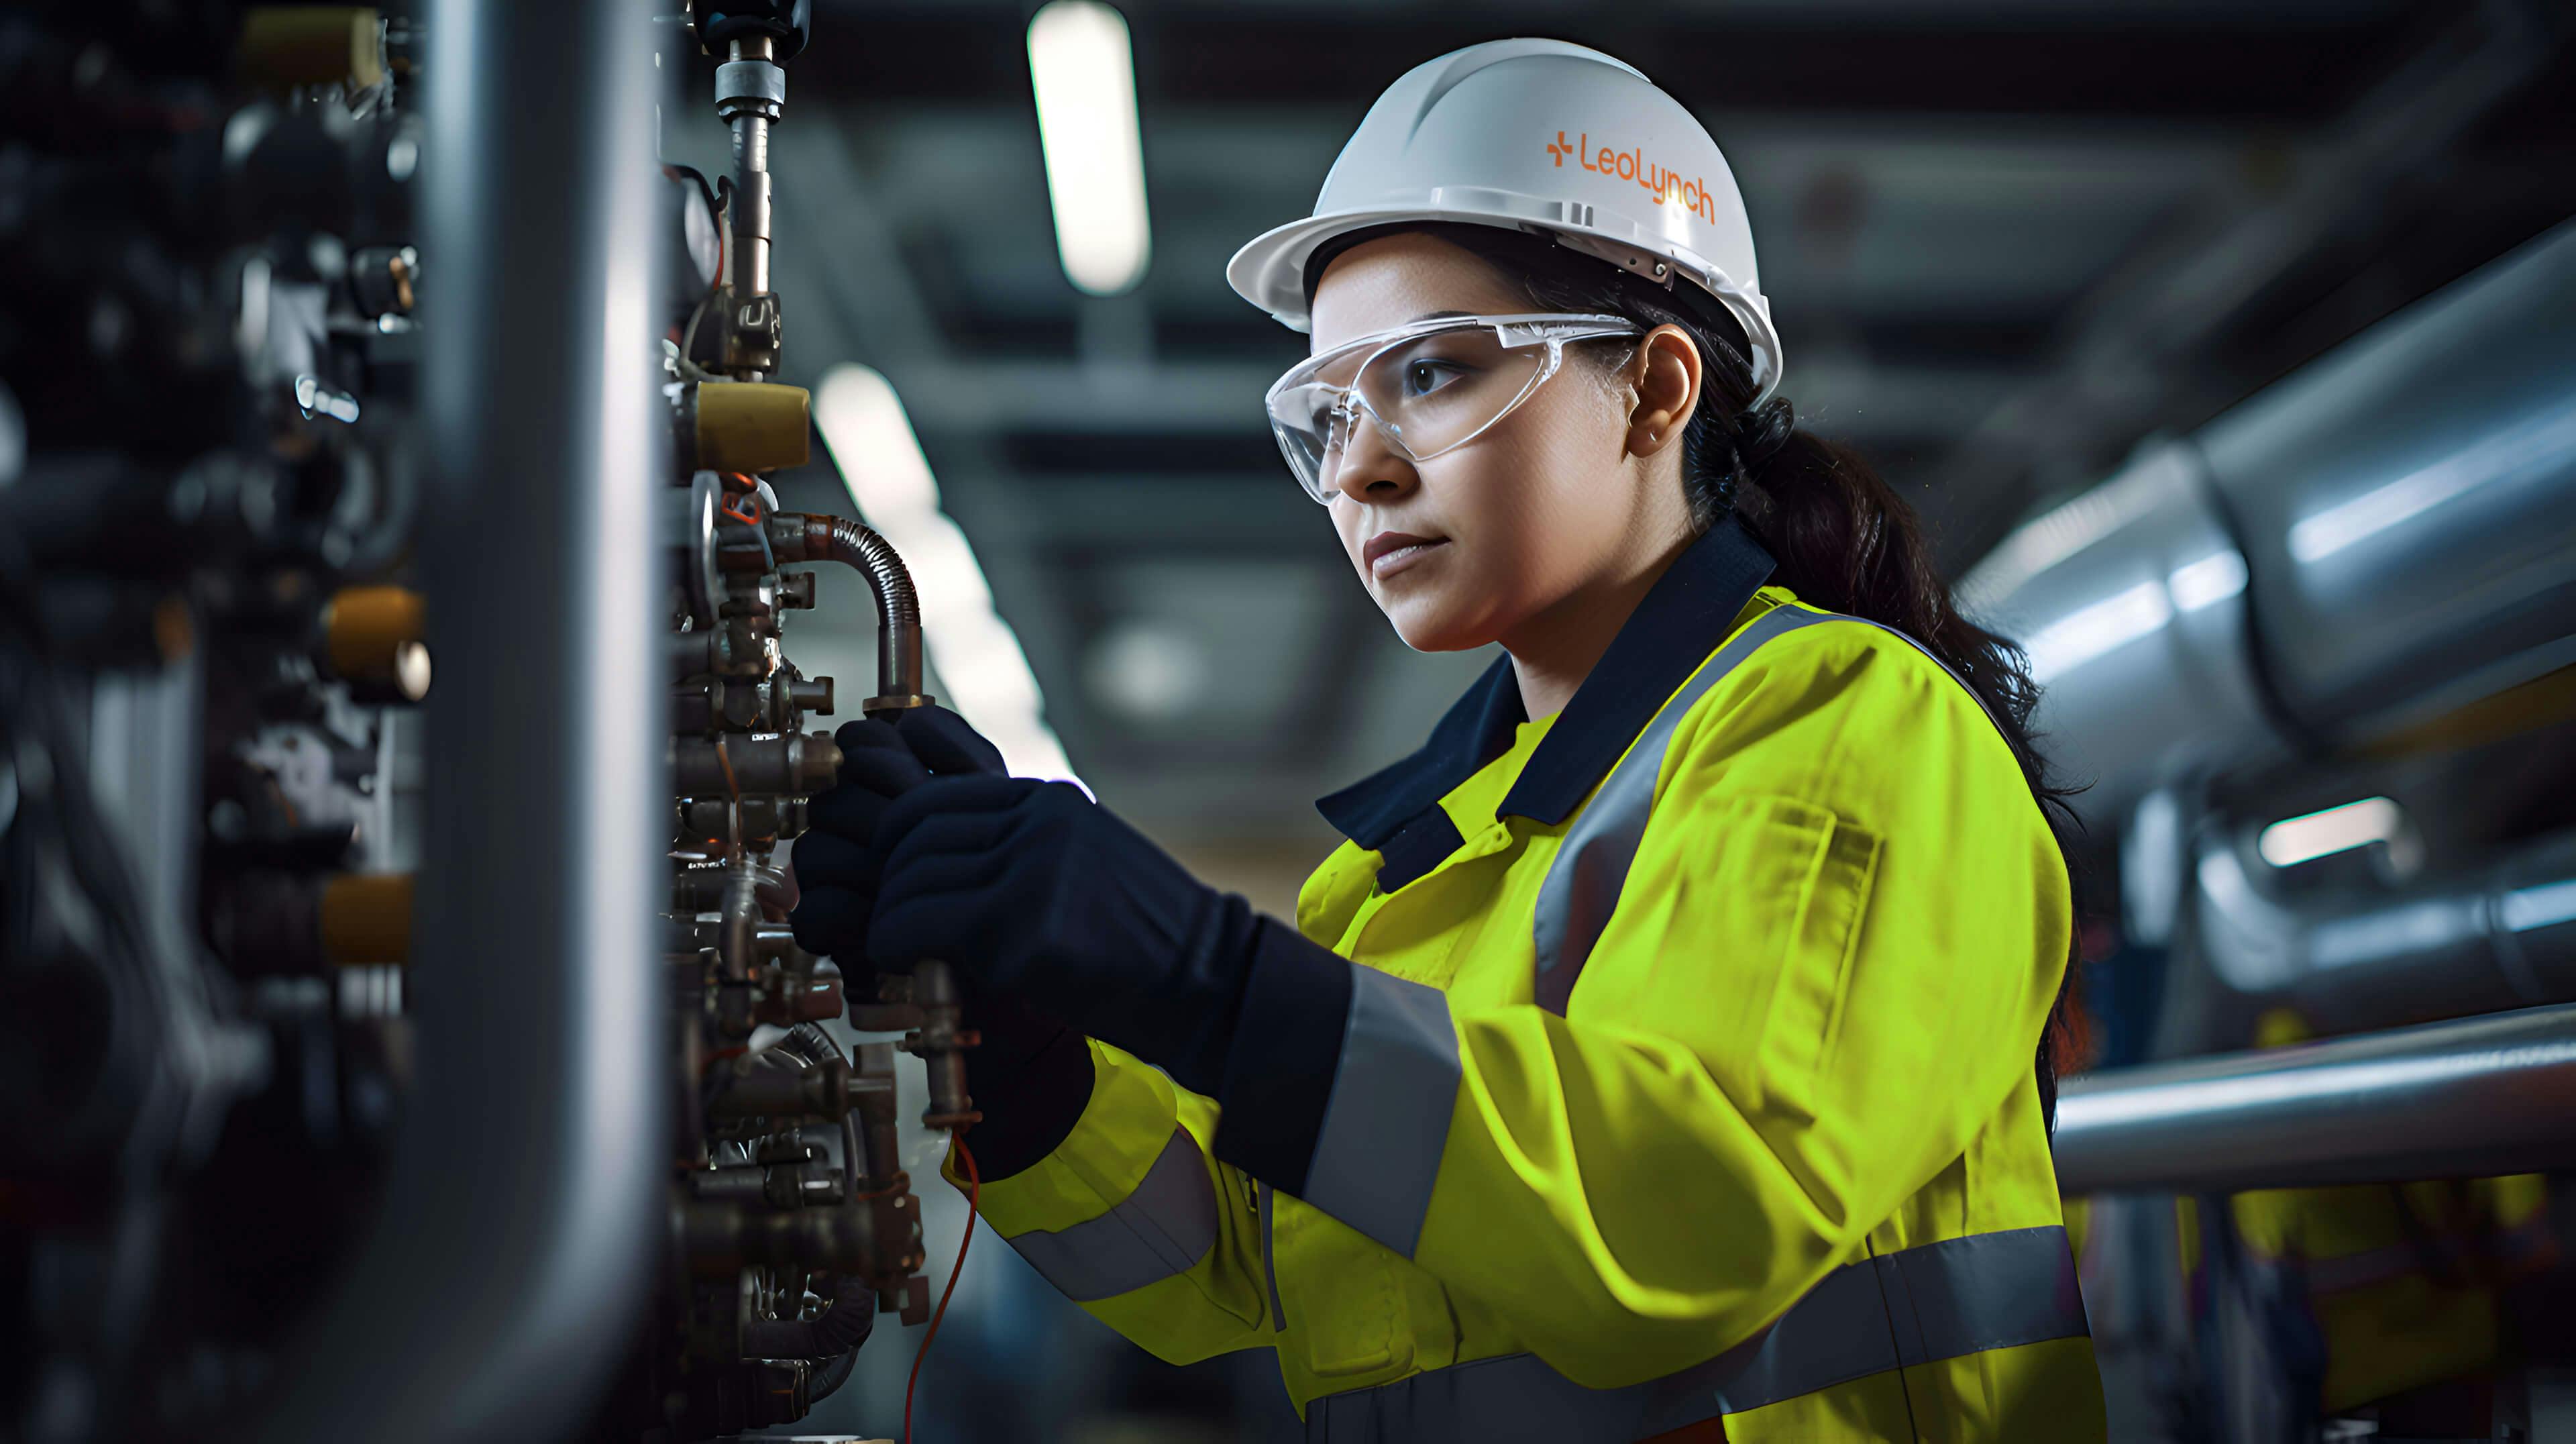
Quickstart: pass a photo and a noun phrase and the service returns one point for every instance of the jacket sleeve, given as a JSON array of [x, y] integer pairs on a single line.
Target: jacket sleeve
[[1130, 1217], [1827, 970]]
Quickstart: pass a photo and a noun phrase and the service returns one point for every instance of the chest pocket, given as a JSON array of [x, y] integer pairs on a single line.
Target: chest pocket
[[1590, 873]]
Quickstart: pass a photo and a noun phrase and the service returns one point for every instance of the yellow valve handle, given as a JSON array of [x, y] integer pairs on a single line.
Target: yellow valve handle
[[753, 426], [366, 919], [283, 46], [373, 635]]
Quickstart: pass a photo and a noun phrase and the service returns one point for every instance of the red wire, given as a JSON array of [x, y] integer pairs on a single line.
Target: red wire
[[974, 1190]]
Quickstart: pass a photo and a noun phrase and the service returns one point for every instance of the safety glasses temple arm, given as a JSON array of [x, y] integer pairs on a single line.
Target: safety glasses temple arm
[[1531, 327]]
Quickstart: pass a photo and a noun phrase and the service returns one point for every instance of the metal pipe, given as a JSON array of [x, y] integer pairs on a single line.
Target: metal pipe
[[719, 1239], [758, 1090], [899, 658], [750, 110], [751, 95], [725, 767], [2381, 538], [814, 536], [741, 916], [2466, 1099], [524, 1202], [751, 205], [2501, 937]]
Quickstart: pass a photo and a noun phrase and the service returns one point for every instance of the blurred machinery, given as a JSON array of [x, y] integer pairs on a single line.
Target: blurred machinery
[[2317, 660], [210, 650], [238, 1119]]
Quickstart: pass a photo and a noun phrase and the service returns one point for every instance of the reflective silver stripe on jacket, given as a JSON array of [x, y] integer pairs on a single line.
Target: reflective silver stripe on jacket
[[1583, 884], [1161, 1229], [1939, 1301], [1386, 1120]]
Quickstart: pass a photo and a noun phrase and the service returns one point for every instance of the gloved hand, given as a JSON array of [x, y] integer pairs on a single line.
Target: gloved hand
[[837, 875], [880, 761], [1033, 890]]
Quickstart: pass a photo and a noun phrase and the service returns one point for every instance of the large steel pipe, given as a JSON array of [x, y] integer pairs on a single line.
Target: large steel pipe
[[527, 1194], [2388, 534], [2468, 1099], [2501, 937]]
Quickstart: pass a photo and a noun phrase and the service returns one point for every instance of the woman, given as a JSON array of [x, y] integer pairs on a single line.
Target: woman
[[1656, 1057]]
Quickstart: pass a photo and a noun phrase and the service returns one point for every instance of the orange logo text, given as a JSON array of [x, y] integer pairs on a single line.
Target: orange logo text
[[1667, 185]]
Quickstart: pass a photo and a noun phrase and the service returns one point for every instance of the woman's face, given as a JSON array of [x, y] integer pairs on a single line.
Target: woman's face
[[1470, 546]]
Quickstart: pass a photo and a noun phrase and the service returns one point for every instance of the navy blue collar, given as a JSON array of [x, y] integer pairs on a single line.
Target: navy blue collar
[[1682, 619]]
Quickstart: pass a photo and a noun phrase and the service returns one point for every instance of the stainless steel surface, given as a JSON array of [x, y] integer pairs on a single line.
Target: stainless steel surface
[[899, 656], [2502, 937], [751, 205], [524, 1206], [751, 93], [2485, 1096], [2410, 501], [2400, 518], [2130, 600]]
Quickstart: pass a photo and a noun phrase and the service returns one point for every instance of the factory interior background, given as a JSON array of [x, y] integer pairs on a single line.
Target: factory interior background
[[2126, 297]]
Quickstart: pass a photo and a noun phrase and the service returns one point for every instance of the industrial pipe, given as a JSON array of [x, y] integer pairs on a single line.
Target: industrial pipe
[[803, 537], [2384, 536], [523, 1215], [2501, 937], [719, 1238], [2467, 1099], [940, 1042]]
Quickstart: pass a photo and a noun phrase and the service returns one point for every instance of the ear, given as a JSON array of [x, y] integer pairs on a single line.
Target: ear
[[1665, 379]]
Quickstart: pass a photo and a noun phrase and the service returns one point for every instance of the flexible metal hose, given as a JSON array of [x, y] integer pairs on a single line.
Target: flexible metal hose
[[898, 607]]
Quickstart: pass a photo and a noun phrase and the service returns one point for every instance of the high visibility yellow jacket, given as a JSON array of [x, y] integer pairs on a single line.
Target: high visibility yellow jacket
[[2401, 1279], [1672, 1062]]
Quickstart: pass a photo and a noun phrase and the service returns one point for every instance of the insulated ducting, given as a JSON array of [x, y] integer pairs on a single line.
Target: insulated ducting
[[2385, 536]]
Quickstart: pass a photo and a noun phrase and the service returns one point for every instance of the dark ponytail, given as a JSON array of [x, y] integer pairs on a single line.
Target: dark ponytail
[[1844, 539]]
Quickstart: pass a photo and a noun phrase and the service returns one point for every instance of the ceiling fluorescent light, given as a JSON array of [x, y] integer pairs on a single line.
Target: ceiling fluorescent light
[[977, 655], [1085, 78], [2337, 829]]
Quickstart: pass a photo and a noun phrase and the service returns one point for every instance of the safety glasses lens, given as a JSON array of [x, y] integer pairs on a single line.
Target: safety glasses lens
[[1422, 394]]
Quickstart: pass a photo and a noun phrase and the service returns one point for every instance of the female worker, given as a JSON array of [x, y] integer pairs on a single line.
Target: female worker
[[1656, 1059]]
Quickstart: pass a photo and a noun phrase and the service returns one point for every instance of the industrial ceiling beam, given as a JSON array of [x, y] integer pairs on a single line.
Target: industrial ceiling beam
[[2135, 357]]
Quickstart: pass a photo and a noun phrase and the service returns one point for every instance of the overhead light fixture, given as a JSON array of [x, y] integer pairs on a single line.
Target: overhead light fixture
[[981, 668], [2295, 840], [1149, 671], [1085, 76]]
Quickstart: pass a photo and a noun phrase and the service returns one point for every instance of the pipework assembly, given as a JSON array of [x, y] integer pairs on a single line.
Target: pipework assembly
[[791, 1216]]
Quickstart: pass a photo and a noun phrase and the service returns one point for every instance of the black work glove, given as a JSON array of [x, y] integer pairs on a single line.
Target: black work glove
[[837, 874], [881, 760], [1033, 890]]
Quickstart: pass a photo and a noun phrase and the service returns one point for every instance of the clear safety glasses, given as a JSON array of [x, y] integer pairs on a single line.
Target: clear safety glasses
[[1428, 387]]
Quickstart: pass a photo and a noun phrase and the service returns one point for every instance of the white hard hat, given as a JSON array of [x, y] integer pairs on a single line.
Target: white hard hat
[[1540, 136]]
